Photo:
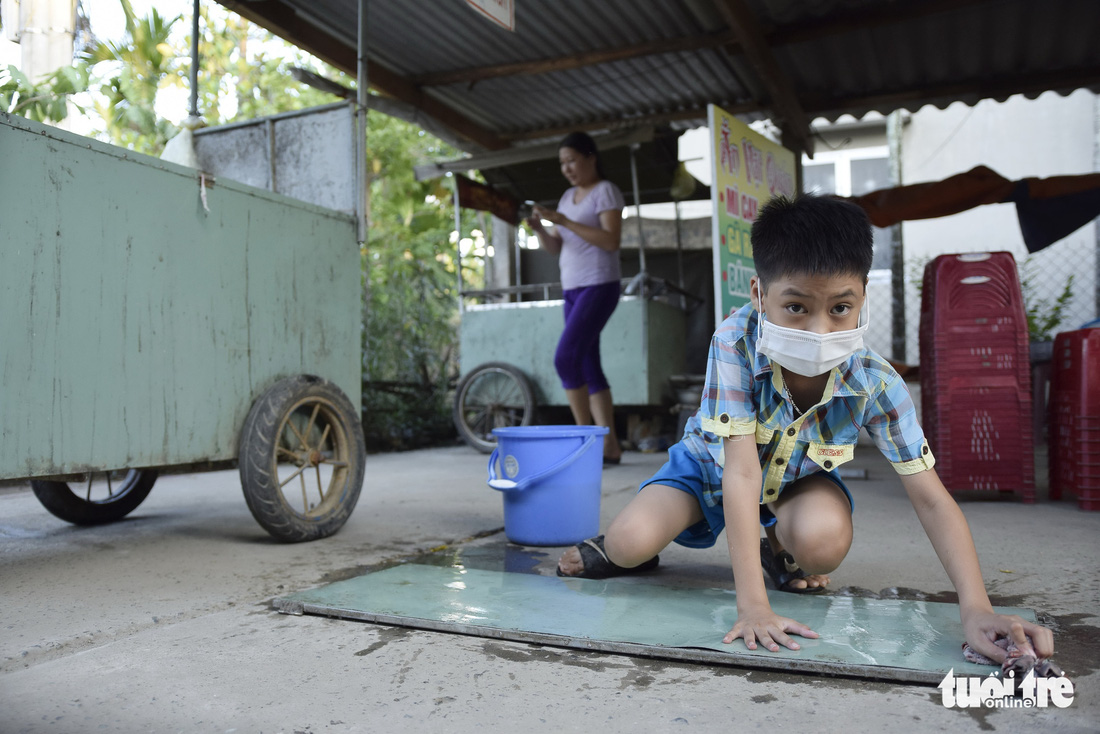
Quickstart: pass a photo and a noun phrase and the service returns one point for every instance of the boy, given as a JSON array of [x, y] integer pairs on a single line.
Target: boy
[[789, 387]]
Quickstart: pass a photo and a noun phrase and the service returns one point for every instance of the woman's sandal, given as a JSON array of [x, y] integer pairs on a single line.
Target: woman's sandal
[[598, 566], [782, 569]]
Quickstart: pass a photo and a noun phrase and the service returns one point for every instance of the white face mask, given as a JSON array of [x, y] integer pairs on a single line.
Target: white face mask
[[806, 353]]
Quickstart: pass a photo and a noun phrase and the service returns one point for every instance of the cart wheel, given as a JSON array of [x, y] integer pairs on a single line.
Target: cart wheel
[[302, 459], [493, 395], [100, 498]]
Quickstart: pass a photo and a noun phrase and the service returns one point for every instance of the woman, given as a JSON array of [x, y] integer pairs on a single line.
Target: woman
[[587, 227]]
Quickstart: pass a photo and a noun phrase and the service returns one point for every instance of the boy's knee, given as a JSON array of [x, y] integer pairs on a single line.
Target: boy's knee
[[631, 540], [821, 547], [820, 559]]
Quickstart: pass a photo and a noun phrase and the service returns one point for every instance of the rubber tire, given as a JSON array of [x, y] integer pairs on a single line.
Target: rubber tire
[[63, 502], [264, 497], [526, 390]]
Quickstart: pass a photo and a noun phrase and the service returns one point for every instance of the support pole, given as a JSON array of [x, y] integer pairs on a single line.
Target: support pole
[[194, 79], [362, 201], [897, 249], [458, 245], [638, 212], [45, 30], [1096, 225], [518, 265], [362, 99], [679, 257]]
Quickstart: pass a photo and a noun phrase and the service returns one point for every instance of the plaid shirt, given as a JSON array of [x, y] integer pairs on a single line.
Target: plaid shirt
[[744, 396]]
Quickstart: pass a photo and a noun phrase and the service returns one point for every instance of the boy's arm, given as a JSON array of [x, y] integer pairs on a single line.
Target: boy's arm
[[756, 622], [946, 527]]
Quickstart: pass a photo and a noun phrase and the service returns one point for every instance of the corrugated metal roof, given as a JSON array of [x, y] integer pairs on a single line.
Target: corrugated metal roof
[[614, 92], [838, 56]]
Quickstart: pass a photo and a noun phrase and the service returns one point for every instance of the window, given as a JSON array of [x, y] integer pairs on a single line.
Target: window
[[852, 172]]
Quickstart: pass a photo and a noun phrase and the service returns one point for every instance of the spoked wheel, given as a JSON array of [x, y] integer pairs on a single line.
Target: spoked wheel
[[302, 458], [98, 498], [493, 395]]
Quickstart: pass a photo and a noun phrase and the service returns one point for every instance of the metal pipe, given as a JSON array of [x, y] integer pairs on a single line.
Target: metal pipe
[[273, 184], [359, 150], [1096, 167], [195, 61], [518, 264], [362, 87], [458, 243], [638, 211], [897, 248], [679, 257]]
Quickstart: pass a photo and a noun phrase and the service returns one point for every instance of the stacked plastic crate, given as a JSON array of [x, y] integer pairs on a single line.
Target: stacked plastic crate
[[1075, 417], [975, 374]]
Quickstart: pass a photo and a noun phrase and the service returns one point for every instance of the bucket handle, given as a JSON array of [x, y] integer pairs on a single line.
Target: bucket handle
[[507, 485]]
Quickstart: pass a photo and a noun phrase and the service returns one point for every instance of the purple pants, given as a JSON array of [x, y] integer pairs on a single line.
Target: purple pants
[[577, 358]]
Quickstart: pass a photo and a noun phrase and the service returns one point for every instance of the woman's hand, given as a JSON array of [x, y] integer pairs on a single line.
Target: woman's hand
[[535, 223], [767, 628], [982, 628], [550, 215]]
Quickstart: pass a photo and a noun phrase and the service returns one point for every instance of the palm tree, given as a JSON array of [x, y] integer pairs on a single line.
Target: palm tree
[[141, 63]]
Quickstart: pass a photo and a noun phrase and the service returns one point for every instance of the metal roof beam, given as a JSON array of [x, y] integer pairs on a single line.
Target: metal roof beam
[[575, 61], [865, 17], [527, 154], [782, 35], [784, 101], [283, 21], [617, 122]]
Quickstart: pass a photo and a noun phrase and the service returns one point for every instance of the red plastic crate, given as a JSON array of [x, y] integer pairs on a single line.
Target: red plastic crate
[[976, 373], [947, 400], [1076, 356], [1075, 417], [983, 357], [986, 281]]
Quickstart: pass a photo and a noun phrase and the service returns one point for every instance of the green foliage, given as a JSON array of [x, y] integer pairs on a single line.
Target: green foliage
[[411, 323], [1043, 315], [129, 74], [238, 60], [46, 101]]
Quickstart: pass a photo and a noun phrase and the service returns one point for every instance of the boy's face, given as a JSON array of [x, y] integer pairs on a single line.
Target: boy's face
[[818, 303]]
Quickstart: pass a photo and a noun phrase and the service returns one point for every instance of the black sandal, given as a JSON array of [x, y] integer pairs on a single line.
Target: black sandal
[[782, 569], [598, 566]]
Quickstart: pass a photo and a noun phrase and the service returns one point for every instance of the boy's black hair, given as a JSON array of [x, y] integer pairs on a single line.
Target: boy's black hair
[[586, 146], [811, 235]]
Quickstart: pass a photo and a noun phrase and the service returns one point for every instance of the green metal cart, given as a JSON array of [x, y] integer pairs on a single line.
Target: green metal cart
[[507, 354], [155, 318]]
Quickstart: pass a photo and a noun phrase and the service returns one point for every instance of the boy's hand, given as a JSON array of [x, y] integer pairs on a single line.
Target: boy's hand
[[768, 628], [983, 627]]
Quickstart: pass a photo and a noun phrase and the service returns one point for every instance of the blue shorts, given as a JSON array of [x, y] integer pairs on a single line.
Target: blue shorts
[[700, 478]]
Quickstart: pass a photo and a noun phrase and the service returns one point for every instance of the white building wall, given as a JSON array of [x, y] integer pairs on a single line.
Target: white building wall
[[1019, 138]]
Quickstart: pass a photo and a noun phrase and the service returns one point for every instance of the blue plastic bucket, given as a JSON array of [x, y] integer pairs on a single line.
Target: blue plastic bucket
[[550, 479]]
